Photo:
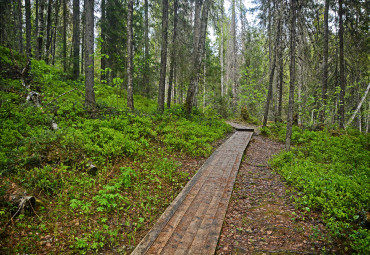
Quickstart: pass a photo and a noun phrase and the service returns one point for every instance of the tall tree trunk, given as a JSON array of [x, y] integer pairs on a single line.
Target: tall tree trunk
[[175, 83], [103, 44], [280, 86], [146, 84], [222, 49], [76, 39], [20, 26], [280, 60], [341, 66], [197, 60], [293, 10], [40, 39], [56, 24], [28, 28], [83, 19], [65, 35], [130, 69], [204, 80], [89, 51], [269, 93], [196, 38], [324, 82], [48, 31], [36, 36], [5, 6], [162, 79], [170, 81], [233, 49], [272, 73], [197, 11]]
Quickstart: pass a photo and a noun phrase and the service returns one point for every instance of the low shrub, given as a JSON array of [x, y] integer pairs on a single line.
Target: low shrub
[[330, 175]]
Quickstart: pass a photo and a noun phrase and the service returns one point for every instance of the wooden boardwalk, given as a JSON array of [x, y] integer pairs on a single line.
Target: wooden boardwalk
[[192, 223]]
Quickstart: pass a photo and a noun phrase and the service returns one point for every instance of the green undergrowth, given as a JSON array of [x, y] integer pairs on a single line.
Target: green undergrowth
[[137, 156], [329, 172]]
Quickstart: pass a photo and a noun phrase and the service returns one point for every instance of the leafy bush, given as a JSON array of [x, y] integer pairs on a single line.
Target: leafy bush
[[331, 175]]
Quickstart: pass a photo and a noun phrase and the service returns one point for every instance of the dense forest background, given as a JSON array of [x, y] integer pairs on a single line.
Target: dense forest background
[[311, 55], [107, 107]]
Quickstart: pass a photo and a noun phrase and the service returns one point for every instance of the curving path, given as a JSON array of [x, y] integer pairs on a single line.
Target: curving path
[[192, 223]]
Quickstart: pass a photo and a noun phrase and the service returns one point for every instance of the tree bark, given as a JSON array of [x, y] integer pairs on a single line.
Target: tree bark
[[272, 73], [65, 35], [175, 99], [204, 80], [233, 49], [83, 19], [222, 49], [103, 43], [130, 97], [170, 81], [55, 31], [146, 84], [40, 38], [20, 26], [28, 28], [196, 38], [89, 51], [324, 81], [293, 9], [280, 61], [198, 53], [36, 24], [76, 39], [48, 31], [162, 79], [341, 66]]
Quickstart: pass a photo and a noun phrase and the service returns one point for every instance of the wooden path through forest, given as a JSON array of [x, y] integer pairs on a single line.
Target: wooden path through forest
[[192, 223]]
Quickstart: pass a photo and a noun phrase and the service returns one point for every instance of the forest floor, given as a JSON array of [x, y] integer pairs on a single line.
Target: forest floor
[[261, 218]]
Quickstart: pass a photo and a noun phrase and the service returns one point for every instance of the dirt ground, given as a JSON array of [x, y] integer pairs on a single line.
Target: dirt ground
[[261, 218]]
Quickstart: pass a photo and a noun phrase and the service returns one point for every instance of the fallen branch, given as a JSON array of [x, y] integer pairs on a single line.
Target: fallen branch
[[65, 93], [358, 107]]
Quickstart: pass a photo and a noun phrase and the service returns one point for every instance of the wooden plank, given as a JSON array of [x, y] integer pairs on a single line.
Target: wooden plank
[[193, 221], [191, 232], [207, 237], [149, 239], [240, 127], [163, 236]]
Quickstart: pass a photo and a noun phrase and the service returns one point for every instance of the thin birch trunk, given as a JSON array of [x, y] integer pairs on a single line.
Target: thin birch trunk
[[293, 7], [173, 60], [162, 79], [130, 68], [89, 52]]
